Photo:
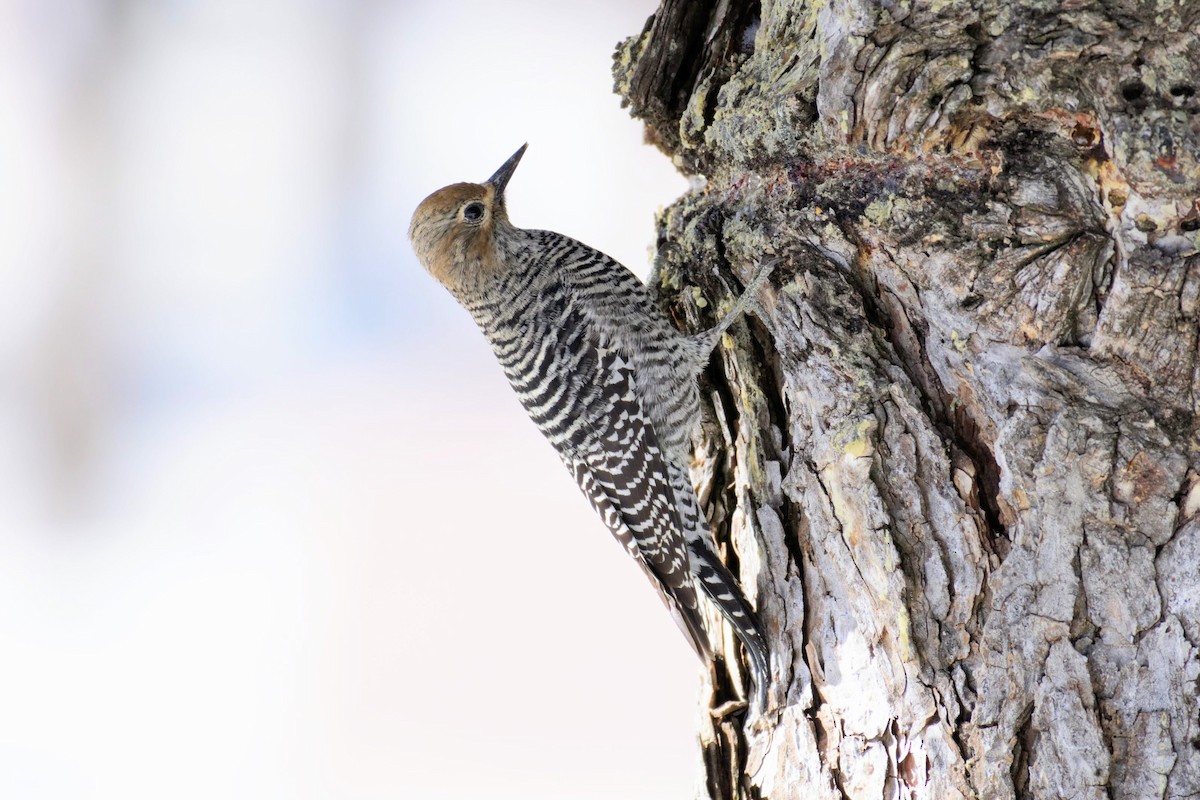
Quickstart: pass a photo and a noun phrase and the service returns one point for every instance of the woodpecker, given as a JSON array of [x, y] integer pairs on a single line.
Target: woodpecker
[[607, 380]]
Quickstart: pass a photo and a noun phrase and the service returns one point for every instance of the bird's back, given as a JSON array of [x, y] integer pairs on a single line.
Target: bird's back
[[569, 292]]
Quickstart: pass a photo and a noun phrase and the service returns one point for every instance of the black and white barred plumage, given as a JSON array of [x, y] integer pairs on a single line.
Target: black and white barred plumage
[[606, 379]]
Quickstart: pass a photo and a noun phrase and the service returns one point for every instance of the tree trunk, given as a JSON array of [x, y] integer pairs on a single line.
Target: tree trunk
[[958, 449]]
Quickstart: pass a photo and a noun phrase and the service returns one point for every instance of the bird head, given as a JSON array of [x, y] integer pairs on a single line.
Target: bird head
[[454, 230]]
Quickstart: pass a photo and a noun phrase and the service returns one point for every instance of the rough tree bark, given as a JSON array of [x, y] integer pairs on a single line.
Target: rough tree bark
[[959, 450]]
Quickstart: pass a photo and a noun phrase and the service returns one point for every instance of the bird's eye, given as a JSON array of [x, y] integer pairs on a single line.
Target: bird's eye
[[473, 212]]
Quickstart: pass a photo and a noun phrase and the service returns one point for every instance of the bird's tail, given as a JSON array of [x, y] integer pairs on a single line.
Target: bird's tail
[[722, 588]]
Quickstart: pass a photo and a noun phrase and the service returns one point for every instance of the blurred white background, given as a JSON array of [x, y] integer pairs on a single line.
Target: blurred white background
[[272, 524]]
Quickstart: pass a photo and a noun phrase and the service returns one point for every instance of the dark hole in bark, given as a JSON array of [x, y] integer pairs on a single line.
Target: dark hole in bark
[[1132, 90], [1182, 90]]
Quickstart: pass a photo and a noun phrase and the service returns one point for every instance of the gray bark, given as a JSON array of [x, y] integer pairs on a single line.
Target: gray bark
[[956, 459]]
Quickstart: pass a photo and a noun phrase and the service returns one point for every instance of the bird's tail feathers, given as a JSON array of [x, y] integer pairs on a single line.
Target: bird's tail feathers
[[721, 587]]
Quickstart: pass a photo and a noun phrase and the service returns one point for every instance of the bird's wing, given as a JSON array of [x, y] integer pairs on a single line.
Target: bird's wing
[[680, 600], [580, 390], [617, 461], [649, 505]]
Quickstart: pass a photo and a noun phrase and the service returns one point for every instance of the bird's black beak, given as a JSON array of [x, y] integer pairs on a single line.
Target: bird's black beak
[[500, 179]]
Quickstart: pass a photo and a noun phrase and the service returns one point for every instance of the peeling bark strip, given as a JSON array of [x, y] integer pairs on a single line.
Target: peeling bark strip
[[959, 453]]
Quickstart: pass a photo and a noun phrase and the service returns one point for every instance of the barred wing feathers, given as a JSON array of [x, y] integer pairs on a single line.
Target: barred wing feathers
[[580, 391]]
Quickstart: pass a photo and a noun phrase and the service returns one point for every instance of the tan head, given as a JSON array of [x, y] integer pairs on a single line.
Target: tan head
[[453, 231]]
